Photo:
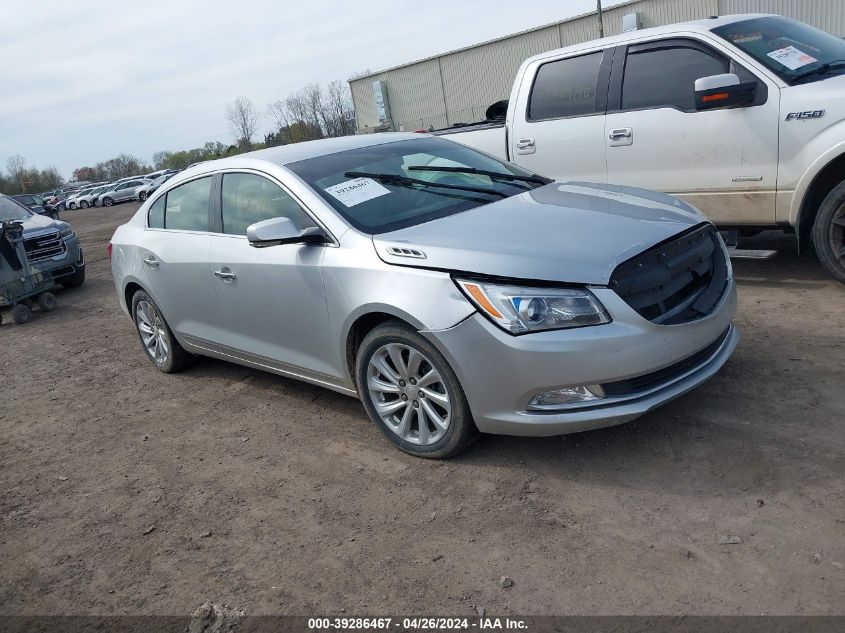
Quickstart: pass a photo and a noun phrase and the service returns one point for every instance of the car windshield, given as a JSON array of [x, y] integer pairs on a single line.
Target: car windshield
[[382, 188], [793, 50], [12, 210]]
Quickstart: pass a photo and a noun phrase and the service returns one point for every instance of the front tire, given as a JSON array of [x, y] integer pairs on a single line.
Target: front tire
[[83, 204], [107, 202], [829, 232], [47, 301], [142, 196], [21, 314], [75, 280], [411, 393], [155, 335]]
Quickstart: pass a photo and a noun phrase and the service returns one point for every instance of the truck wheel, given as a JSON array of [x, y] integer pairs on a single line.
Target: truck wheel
[[47, 302], [829, 232], [75, 280], [21, 314], [411, 393]]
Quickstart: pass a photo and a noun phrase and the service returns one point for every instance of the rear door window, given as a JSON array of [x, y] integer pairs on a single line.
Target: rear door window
[[186, 206], [565, 88]]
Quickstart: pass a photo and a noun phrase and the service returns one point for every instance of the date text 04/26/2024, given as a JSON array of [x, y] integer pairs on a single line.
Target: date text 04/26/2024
[[420, 623]]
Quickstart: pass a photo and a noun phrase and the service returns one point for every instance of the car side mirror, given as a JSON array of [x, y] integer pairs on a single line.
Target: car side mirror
[[723, 91], [276, 231]]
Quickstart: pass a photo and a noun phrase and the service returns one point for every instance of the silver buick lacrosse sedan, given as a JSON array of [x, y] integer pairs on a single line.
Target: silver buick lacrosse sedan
[[451, 292]]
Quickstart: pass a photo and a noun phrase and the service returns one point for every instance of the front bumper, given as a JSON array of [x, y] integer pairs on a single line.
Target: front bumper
[[500, 373]]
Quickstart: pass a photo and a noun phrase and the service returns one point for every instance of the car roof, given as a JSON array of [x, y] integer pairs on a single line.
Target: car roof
[[295, 152], [704, 25]]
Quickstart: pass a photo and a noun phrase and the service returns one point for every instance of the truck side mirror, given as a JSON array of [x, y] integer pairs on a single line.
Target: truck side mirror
[[723, 91]]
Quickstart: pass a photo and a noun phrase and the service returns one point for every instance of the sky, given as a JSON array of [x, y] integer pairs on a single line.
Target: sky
[[85, 80]]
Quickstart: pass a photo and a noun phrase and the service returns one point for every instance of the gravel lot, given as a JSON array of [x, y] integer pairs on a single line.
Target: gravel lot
[[126, 491]]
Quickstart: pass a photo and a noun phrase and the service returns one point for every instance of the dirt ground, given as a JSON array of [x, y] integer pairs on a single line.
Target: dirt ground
[[127, 491]]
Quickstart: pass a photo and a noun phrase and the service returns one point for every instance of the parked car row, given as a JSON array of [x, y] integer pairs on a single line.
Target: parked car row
[[123, 190]]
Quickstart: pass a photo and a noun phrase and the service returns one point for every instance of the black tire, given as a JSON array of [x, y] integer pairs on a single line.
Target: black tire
[[461, 431], [21, 314], [177, 358], [61, 207], [47, 301], [829, 232], [72, 206], [142, 196], [75, 280], [107, 202], [97, 203], [54, 214], [1, 318], [83, 204]]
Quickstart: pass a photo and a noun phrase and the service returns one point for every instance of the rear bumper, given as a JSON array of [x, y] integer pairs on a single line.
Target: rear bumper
[[501, 373]]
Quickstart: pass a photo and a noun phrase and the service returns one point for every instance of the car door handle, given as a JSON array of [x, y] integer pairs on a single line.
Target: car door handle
[[525, 143], [151, 261], [225, 274], [620, 133]]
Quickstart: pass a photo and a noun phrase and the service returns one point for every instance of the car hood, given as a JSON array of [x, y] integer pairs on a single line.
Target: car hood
[[563, 232], [35, 224]]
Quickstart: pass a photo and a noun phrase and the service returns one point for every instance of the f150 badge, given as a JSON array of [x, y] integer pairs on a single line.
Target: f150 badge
[[809, 114]]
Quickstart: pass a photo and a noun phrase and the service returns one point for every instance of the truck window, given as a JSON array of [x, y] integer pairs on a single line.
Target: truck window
[[664, 76], [564, 88]]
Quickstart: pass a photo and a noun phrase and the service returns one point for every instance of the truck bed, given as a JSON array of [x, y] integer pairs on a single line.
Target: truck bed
[[487, 136]]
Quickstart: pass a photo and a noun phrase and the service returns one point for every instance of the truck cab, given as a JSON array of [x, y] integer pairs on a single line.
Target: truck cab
[[740, 115]]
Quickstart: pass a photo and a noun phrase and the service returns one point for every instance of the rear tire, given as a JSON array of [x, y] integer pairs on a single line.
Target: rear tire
[[156, 337], [83, 204], [423, 391], [142, 196], [21, 314], [829, 232], [47, 302], [72, 206]]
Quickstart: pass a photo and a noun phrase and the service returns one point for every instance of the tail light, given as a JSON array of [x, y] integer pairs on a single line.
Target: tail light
[[108, 251]]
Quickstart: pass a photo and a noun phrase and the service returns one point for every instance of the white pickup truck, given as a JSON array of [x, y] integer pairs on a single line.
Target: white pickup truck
[[741, 115]]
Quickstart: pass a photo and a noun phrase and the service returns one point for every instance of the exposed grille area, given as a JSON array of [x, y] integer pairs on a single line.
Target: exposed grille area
[[43, 246], [678, 281], [655, 379]]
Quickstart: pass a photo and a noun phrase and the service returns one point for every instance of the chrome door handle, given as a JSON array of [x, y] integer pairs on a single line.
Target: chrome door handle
[[151, 261], [525, 143], [620, 133], [225, 274]]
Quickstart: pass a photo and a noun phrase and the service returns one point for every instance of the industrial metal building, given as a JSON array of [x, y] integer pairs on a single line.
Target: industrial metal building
[[457, 87]]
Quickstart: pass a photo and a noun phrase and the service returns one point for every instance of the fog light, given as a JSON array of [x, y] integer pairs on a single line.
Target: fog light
[[568, 395]]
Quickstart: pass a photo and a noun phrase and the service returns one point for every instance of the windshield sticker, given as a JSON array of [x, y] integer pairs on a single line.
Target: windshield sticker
[[741, 38], [791, 57], [356, 191]]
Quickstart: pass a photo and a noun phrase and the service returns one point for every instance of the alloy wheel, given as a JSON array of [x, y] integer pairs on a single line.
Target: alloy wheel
[[409, 394], [153, 332]]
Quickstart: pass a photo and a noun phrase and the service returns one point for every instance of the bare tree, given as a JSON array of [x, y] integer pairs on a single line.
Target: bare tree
[[243, 120], [16, 164]]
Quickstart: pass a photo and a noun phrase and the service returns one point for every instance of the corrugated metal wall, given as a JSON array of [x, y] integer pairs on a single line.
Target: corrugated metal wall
[[458, 86], [824, 14]]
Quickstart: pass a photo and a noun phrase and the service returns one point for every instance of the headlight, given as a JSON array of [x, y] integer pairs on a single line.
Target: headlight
[[519, 310], [66, 233]]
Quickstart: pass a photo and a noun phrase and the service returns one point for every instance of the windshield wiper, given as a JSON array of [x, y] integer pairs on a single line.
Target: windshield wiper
[[404, 180], [821, 70], [484, 172]]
